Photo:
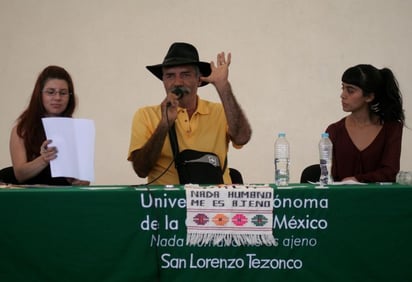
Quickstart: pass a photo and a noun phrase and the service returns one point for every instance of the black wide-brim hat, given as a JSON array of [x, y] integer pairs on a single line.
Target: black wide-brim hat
[[181, 54]]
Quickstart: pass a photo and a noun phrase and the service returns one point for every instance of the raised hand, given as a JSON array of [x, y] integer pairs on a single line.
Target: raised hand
[[220, 71]]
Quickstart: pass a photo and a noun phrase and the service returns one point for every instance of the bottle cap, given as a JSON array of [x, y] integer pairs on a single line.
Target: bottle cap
[[281, 134], [325, 135]]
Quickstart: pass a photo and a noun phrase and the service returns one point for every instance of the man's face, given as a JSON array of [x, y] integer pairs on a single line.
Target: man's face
[[185, 76]]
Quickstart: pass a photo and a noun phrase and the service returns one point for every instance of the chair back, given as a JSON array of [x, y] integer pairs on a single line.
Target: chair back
[[7, 175], [236, 176], [310, 173]]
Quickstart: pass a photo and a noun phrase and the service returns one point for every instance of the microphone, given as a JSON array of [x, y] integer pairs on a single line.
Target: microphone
[[179, 92]]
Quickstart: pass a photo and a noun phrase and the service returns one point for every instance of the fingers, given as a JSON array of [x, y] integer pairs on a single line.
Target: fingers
[[170, 102], [46, 152], [223, 60], [77, 182], [229, 58], [49, 154], [43, 147], [169, 109]]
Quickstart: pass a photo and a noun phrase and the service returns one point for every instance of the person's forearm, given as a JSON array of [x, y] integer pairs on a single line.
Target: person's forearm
[[145, 158], [30, 169], [239, 127]]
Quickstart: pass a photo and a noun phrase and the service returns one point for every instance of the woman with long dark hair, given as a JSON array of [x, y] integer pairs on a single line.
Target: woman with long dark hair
[[367, 142], [53, 96]]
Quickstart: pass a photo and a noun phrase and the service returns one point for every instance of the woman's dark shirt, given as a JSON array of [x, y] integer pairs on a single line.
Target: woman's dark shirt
[[379, 162], [44, 177]]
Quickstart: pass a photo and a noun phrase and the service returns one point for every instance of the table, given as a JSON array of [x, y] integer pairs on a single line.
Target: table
[[123, 233]]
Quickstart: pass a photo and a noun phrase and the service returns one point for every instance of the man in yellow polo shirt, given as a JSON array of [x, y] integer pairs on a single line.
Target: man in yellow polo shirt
[[200, 125]]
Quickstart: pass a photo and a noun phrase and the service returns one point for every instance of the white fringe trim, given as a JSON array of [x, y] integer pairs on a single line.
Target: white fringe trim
[[201, 239]]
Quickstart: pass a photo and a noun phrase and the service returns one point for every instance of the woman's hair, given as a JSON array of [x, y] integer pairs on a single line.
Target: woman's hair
[[30, 126], [387, 103]]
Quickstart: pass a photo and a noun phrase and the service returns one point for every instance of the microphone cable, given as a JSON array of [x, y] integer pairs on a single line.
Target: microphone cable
[[178, 91], [173, 158]]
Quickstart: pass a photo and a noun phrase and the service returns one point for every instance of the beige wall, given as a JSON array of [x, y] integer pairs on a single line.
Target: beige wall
[[287, 59]]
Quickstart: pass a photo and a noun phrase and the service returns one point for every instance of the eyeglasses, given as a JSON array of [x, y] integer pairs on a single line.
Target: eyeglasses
[[51, 92]]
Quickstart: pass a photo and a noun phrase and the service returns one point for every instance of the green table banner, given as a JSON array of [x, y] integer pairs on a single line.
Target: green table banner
[[122, 233]]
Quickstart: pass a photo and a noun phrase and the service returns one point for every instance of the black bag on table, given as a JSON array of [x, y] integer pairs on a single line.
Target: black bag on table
[[196, 167]]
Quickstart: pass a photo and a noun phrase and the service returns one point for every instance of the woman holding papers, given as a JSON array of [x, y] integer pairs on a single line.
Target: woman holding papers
[[367, 142], [31, 153]]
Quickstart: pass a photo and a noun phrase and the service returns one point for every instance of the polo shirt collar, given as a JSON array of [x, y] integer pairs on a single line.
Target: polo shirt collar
[[202, 107]]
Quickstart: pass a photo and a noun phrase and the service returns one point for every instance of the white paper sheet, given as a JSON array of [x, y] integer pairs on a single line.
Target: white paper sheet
[[346, 182], [74, 140]]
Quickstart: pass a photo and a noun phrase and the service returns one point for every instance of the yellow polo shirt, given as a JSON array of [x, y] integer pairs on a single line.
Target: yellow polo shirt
[[206, 131]]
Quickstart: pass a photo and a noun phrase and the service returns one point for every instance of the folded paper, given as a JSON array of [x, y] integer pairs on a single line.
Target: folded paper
[[74, 140]]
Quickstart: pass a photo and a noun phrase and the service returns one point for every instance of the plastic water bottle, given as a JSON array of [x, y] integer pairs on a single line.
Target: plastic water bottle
[[325, 155], [281, 160]]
